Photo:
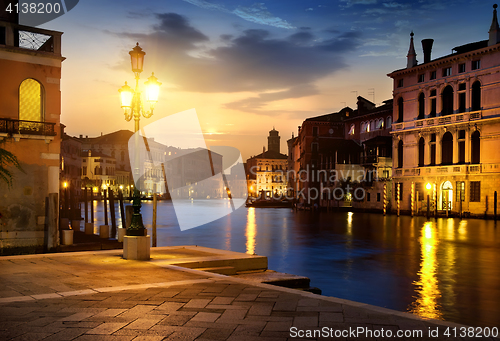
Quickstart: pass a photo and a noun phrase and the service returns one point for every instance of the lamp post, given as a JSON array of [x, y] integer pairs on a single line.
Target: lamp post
[[133, 106]]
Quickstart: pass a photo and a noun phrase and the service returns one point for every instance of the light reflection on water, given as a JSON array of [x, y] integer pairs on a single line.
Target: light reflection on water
[[444, 268]]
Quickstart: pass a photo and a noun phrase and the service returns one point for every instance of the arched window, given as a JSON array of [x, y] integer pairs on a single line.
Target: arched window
[[476, 96], [447, 149], [475, 147], [447, 100], [400, 109], [400, 154], [421, 151], [351, 129], [372, 125], [421, 106], [31, 101], [388, 122]]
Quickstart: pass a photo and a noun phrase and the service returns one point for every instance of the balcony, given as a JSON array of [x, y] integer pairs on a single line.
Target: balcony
[[29, 38], [437, 121], [27, 129], [448, 170]]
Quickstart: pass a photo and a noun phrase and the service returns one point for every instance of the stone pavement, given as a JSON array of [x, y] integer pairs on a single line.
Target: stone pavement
[[100, 296]]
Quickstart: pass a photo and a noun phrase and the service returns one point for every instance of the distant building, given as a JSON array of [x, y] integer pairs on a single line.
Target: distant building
[[447, 128], [266, 172], [71, 163], [30, 65], [98, 171]]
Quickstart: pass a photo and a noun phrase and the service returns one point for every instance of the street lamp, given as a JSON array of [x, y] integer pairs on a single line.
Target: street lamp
[[132, 104]]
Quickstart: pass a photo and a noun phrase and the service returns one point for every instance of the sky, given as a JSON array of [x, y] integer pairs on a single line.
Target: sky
[[248, 66]]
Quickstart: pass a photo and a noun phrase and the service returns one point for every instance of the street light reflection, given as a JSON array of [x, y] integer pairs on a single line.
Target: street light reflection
[[251, 231], [427, 303]]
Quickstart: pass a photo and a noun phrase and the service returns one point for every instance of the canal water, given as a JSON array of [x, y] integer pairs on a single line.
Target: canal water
[[444, 269]]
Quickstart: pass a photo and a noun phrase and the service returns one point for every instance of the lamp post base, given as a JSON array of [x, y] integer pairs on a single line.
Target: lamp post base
[[136, 247]]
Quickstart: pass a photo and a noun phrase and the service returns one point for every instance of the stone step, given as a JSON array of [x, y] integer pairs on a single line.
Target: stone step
[[222, 270], [276, 278], [239, 263]]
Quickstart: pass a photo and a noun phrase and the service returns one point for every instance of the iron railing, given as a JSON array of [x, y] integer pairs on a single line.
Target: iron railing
[[19, 127]]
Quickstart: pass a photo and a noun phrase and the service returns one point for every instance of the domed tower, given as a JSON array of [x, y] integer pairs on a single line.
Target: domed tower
[[273, 141]]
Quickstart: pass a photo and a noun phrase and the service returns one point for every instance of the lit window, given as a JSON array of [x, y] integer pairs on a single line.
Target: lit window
[[351, 130], [30, 101]]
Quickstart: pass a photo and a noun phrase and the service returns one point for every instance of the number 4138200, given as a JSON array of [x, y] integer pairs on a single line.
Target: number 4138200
[[34, 8]]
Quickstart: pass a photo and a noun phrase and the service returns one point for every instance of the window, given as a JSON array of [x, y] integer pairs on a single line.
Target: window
[[461, 146], [460, 191], [84, 170], [314, 147], [475, 148], [315, 131], [419, 190], [421, 149], [400, 154], [476, 64], [461, 68], [378, 197], [380, 123], [433, 150], [367, 196], [433, 75], [476, 96], [400, 109], [446, 71], [351, 129], [421, 106], [447, 101], [400, 83], [388, 122], [433, 103], [421, 78], [447, 149], [475, 191], [30, 101], [461, 97]]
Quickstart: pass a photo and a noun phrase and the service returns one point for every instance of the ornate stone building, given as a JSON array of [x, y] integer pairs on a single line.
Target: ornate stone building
[[446, 131]]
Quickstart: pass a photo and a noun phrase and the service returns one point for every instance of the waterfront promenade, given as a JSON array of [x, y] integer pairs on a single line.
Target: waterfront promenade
[[100, 296]]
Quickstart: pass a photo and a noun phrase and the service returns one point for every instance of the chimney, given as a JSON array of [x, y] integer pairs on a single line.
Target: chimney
[[263, 149], [81, 136], [427, 47]]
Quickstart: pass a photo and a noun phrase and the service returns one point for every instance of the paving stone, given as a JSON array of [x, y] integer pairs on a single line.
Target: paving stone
[[222, 300], [186, 334], [104, 338], [308, 302], [77, 317], [175, 320], [260, 309], [285, 305], [144, 323], [205, 317], [169, 307], [247, 297], [197, 303], [66, 334], [305, 321], [280, 326], [330, 317], [106, 328], [249, 330], [215, 334], [31, 337]]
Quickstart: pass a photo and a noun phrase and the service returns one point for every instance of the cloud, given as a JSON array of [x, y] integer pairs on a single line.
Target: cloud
[[256, 13], [309, 9], [256, 104], [350, 3], [183, 57]]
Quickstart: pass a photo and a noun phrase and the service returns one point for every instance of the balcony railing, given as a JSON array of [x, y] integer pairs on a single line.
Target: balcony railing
[[30, 38], [448, 170], [18, 127], [435, 121]]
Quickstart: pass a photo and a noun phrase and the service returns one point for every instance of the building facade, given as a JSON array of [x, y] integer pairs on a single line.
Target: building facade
[[267, 172], [30, 65], [446, 135]]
